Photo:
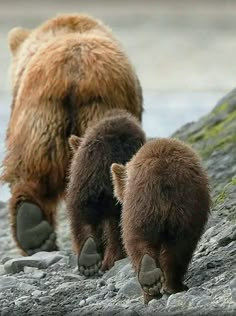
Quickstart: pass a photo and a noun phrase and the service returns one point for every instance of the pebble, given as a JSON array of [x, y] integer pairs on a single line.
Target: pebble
[[82, 303], [45, 299], [111, 287], [21, 300], [130, 289], [36, 293]]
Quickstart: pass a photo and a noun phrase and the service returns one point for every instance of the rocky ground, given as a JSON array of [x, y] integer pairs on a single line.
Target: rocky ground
[[49, 283]]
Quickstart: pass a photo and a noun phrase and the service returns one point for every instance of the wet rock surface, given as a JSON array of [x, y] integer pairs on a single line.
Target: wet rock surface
[[49, 283]]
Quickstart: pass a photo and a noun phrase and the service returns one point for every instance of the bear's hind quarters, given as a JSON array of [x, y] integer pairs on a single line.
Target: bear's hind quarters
[[33, 231]]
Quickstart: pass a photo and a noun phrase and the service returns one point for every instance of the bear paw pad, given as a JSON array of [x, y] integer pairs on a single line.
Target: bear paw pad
[[150, 277], [89, 260], [33, 232]]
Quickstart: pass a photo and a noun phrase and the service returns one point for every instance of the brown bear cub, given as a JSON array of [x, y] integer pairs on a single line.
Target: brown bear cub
[[165, 195], [93, 210]]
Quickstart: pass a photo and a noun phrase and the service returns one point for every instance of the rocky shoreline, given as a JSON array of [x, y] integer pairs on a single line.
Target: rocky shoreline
[[49, 283]]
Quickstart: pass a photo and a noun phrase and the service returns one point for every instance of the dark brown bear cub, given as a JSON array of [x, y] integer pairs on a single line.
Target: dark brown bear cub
[[94, 212], [166, 201]]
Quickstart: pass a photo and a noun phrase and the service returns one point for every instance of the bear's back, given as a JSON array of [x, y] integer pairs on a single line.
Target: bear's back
[[113, 139], [170, 172]]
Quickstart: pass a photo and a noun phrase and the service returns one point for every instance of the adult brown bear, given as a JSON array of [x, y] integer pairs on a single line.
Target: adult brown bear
[[93, 210], [166, 202], [65, 75]]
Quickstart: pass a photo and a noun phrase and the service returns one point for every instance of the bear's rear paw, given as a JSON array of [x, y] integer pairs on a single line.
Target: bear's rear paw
[[33, 232], [89, 260], [150, 278]]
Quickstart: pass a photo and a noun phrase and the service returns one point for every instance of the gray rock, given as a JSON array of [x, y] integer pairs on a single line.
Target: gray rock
[[45, 299], [2, 270], [233, 289], [111, 287], [130, 289], [82, 303], [21, 300], [36, 293], [40, 260]]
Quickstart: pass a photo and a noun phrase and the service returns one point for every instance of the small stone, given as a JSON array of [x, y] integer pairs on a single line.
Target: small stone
[[45, 299], [36, 293], [82, 303], [111, 287], [131, 289], [91, 299], [116, 268], [38, 275], [21, 300], [40, 260], [177, 299]]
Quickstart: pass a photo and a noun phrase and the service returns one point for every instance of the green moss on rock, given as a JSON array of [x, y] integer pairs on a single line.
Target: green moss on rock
[[220, 108], [214, 136]]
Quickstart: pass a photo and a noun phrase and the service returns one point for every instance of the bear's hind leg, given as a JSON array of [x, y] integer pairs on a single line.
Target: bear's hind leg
[[32, 219], [87, 240], [144, 257], [113, 244], [174, 260]]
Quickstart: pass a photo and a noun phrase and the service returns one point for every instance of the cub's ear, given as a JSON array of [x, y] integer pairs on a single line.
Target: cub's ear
[[74, 142], [119, 177], [16, 37]]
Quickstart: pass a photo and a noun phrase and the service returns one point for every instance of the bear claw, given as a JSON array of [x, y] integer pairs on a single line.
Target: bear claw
[[33, 232], [150, 277], [89, 260]]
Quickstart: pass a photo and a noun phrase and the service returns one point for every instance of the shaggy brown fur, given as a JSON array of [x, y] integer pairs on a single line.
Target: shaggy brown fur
[[65, 75], [165, 196], [93, 210]]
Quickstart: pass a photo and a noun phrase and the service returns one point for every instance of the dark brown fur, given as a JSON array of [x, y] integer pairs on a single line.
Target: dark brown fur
[[166, 205], [90, 201]]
